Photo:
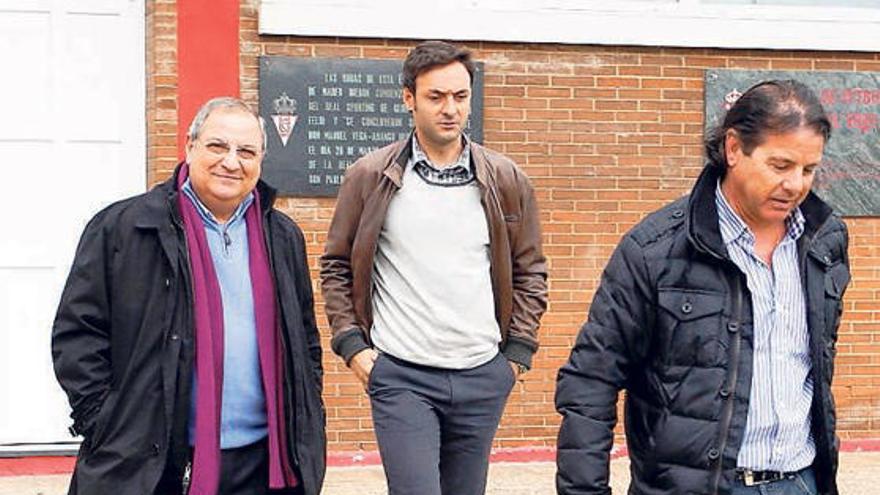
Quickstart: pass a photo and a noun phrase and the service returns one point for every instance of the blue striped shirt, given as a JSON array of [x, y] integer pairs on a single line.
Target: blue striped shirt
[[777, 435]]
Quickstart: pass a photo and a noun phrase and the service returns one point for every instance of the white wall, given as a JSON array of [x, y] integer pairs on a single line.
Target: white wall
[[824, 25], [72, 140]]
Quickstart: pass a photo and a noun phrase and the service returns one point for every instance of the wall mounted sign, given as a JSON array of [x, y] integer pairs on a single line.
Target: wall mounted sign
[[849, 177]]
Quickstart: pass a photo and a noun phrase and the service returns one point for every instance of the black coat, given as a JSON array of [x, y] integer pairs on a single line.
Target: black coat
[[671, 322], [123, 349]]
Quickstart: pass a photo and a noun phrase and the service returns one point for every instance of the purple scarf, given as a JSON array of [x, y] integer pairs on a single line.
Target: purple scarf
[[208, 313]]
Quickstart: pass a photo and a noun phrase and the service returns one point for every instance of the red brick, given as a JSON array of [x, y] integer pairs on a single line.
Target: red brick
[[552, 92], [385, 52], [617, 82], [744, 63], [834, 65], [791, 64], [559, 81], [639, 70], [533, 80], [338, 51], [666, 83]]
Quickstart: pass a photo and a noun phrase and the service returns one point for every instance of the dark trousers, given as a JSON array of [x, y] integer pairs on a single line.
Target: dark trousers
[[243, 471], [435, 426]]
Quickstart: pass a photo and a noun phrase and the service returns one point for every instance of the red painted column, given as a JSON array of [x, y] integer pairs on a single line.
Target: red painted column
[[207, 56]]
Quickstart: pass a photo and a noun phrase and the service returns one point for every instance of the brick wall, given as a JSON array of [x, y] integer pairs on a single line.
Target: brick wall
[[161, 31], [607, 134]]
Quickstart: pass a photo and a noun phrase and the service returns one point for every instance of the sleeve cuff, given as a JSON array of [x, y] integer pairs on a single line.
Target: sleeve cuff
[[349, 343], [518, 352]]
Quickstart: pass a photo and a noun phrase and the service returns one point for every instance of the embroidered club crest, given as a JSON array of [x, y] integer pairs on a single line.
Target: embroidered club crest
[[284, 117]]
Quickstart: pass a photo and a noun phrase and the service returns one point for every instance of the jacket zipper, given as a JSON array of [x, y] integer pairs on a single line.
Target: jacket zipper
[[727, 416], [375, 244], [186, 275], [288, 392], [816, 356], [187, 478], [487, 194]]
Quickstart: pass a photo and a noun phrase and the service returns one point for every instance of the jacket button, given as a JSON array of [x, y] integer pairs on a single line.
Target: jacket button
[[714, 454], [733, 327], [156, 449], [725, 393], [826, 259], [167, 282], [687, 307], [677, 214], [174, 336]]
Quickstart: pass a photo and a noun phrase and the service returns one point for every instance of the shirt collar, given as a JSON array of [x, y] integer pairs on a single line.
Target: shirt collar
[[464, 158], [206, 214], [459, 173], [733, 227]]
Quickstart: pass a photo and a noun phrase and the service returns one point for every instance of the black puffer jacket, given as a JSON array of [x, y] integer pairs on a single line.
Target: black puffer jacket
[[123, 345], [672, 324]]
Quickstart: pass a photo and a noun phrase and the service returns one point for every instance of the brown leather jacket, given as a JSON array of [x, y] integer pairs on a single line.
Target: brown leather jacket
[[519, 270]]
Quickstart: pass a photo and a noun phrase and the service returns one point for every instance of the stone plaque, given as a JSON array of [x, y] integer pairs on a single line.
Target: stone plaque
[[849, 178], [323, 114]]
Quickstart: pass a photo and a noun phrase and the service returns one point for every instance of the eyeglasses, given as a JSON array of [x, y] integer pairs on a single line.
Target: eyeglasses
[[245, 155]]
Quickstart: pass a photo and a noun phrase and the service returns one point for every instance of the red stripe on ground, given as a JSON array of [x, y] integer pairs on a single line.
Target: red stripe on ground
[[863, 445], [339, 459], [37, 465], [46, 465]]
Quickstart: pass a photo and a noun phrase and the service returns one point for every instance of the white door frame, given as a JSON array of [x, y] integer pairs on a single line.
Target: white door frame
[[74, 136]]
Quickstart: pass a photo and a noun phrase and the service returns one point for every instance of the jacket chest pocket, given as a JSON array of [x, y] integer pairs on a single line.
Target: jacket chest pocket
[[688, 326], [836, 279]]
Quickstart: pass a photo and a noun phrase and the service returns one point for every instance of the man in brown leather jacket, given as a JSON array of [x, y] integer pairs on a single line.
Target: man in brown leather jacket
[[435, 283]]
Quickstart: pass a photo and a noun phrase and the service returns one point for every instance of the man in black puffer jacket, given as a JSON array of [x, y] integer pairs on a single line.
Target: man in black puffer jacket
[[718, 314]]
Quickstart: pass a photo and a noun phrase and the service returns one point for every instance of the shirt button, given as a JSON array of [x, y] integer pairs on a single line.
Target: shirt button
[[167, 282], [156, 449], [677, 214], [174, 336]]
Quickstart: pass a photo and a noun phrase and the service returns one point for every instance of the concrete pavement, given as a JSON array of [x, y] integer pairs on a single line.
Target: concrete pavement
[[859, 475]]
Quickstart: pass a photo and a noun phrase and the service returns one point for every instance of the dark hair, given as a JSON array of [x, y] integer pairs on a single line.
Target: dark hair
[[430, 54], [769, 107]]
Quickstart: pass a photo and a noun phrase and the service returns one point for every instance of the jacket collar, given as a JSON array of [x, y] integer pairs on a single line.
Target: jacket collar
[[402, 151], [702, 215], [161, 201]]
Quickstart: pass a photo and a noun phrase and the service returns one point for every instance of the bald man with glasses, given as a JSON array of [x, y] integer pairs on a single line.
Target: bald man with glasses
[[185, 338]]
